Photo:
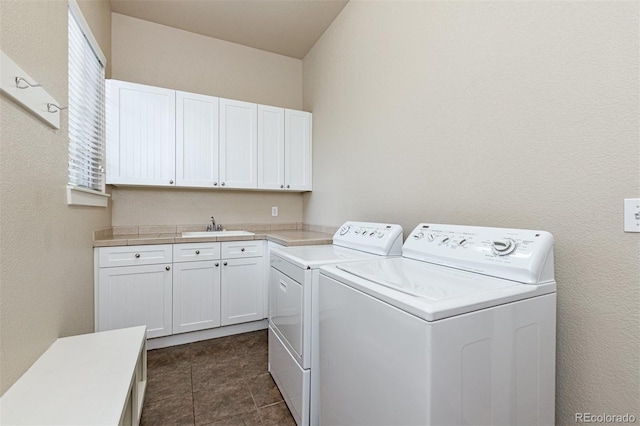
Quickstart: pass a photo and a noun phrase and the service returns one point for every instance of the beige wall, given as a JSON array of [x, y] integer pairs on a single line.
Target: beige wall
[[508, 114], [185, 207], [149, 53], [46, 260]]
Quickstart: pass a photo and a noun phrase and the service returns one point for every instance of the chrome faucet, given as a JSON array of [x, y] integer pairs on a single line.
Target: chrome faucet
[[213, 226]]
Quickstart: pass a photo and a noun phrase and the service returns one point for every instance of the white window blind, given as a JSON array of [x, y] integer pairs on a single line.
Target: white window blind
[[86, 111]]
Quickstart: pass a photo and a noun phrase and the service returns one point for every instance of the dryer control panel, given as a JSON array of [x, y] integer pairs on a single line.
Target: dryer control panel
[[519, 255], [378, 238]]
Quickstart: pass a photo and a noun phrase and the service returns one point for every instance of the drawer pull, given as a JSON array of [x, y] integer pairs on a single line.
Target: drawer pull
[[242, 249], [283, 286], [137, 255], [225, 263], [168, 268], [197, 251]]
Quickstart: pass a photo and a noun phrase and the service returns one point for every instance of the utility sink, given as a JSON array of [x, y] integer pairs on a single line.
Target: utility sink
[[205, 234]]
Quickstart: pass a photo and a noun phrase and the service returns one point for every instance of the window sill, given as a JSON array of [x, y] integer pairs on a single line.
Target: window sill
[[85, 197]]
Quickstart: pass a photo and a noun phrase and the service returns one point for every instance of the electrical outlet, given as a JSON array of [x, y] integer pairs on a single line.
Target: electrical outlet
[[632, 215], [274, 211]]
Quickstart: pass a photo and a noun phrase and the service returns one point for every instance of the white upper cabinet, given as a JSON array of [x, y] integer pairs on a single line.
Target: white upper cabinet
[[270, 147], [297, 150], [238, 144], [162, 137], [196, 140], [284, 149], [140, 134]]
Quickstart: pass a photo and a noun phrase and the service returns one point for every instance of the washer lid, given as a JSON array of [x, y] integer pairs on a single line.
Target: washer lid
[[431, 292], [312, 257]]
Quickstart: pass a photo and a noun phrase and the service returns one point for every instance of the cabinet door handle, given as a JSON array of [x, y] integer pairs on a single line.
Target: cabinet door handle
[[197, 251], [225, 263], [281, 186], [215, 183], [137, 255], [168, 268], [171, 182], [217, 264], [288, 186], [242, 249], [222, 184]]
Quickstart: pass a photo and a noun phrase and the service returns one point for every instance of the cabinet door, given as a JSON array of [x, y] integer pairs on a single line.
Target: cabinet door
[[242, 290], [238, 144], [196, 296], [135, 295], [270, 147], [196, 140], [297, 149], [140, 134]]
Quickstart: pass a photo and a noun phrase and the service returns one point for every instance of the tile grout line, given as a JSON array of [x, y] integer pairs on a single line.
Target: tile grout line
[[193, 396]]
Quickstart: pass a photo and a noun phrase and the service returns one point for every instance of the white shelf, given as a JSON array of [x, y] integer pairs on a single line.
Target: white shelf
[[92, 379]]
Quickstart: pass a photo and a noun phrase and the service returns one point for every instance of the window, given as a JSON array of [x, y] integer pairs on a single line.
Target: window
[[86, 114]]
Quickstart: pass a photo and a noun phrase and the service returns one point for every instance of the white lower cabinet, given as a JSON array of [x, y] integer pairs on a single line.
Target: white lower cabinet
[[242, 290], [196, 296], [179, 288], [128, 296]]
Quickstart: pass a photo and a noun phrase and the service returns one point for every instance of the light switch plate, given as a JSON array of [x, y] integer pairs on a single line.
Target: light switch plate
[[632, 215], [274, 211]]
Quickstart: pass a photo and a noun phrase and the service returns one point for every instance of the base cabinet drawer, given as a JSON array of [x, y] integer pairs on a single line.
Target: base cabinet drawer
[[196, 252], [242, 249], [129, 296], [135, 255]]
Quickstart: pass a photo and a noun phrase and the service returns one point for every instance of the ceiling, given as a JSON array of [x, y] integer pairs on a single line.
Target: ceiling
[[286, 27]]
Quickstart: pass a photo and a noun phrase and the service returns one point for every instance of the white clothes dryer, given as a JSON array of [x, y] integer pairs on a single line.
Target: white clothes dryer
[[293, 284], [460, 330]]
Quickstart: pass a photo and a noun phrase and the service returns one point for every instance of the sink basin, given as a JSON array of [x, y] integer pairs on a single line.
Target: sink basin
[[217, 234]]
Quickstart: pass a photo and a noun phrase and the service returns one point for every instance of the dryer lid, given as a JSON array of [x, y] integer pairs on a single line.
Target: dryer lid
[[431, 282], [429, 291]]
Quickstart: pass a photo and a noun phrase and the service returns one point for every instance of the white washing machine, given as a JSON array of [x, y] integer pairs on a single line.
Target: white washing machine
[[292, 294], [460, 330]]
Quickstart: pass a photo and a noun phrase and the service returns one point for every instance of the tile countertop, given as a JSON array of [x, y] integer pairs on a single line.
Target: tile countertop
[[284, 237]]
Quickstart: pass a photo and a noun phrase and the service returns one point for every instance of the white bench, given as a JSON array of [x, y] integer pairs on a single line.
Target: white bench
[[92, 379]]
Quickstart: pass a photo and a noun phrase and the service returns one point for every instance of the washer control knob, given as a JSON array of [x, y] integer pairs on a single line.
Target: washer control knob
[[431, 236], [372, 233], [462, 242], [504, 247], [445, 240], [344, 229], [419, 236], [380, 234]]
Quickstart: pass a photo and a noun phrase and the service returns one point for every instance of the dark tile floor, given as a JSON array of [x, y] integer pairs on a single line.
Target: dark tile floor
[[218, 382]]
